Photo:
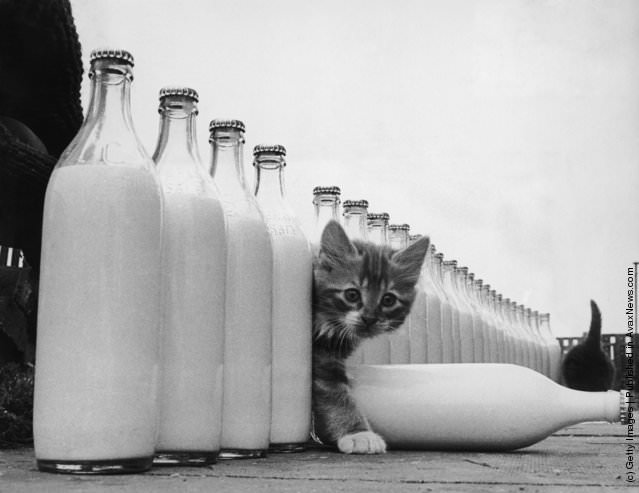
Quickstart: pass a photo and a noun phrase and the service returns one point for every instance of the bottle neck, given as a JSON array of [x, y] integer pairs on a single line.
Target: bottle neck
[[269, 179], [227, 167], [355, 223], [398, 239], [177, 142], [378, 232], [326, 209], [110, 99]]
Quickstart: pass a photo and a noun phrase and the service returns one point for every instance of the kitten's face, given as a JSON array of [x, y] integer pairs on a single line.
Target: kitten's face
[[361, 290]]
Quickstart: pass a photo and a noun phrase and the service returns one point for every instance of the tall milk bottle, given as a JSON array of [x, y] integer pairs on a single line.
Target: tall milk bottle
[[377, 350], [400, 339], [418, 318], [97, 359], [292, 285], [355, 214], [194, 273], [246, 409]]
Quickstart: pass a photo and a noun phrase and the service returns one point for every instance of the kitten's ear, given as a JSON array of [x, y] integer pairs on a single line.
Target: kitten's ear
[[412, 257], [334, 243]]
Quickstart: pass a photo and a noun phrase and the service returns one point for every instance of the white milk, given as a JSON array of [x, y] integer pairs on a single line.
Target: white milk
[[246, 417], [193, 323], [471, 406], [292, 283], [97, 352]]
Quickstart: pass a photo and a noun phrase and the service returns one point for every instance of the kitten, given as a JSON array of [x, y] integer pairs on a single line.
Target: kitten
[[586, 366], [360, 290]]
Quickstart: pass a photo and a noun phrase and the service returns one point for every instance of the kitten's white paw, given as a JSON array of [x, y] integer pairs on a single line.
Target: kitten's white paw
[[363, 442]]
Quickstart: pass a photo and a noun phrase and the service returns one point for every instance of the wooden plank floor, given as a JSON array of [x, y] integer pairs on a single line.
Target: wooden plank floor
[[590, 457]]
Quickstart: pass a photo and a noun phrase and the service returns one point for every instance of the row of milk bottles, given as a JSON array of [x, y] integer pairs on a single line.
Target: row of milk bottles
[[175, 303], [455, 318]]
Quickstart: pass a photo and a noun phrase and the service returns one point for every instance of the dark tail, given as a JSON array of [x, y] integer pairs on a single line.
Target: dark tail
[[594, 334]]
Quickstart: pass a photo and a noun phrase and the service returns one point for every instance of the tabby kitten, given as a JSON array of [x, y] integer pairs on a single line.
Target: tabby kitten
[[586, 366], [360, 290]]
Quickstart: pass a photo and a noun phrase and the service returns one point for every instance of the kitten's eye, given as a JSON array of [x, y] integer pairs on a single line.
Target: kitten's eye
[[388, 300], [352, 295]]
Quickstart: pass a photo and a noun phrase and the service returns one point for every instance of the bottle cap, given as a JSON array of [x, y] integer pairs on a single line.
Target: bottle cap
[[452, 263], [463, 269], [121, 55], [371, 216], [186, 92], [355, 203], [326, 190], [270, 149], [236, 124], [399, 227]]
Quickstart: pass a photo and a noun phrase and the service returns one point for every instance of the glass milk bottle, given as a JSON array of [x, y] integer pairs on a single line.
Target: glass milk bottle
[[355, 213], [246, 409], [194, 273], [543, 347], [466, 316], [487, 407], [434, 300], [448, 341], [480, 329], [377, 350], [499, 327], [292, 284], [554, 350], [97, 370], [399, 339], [326, 201], [418, 317], [448, 273]]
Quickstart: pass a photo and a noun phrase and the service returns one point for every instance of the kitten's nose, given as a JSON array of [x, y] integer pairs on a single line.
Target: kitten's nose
[[367, 321]]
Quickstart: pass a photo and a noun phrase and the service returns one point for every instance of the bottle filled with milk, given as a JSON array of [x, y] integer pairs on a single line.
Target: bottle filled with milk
[[194, 274], [97, 358], [246, 408], [292, 283]]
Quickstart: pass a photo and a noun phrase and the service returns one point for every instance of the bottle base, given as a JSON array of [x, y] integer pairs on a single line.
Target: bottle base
[[107, 466], [228, 453], [286, 448], [184, 458]]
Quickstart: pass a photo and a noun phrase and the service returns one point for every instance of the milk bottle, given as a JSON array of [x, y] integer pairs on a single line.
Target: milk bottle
[[246, 412], [355, 213], [400, 340], [194, 273], [292, 284], [98, 323]]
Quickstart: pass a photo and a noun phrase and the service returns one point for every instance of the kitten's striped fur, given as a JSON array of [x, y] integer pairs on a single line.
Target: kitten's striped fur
[[360, 290]]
